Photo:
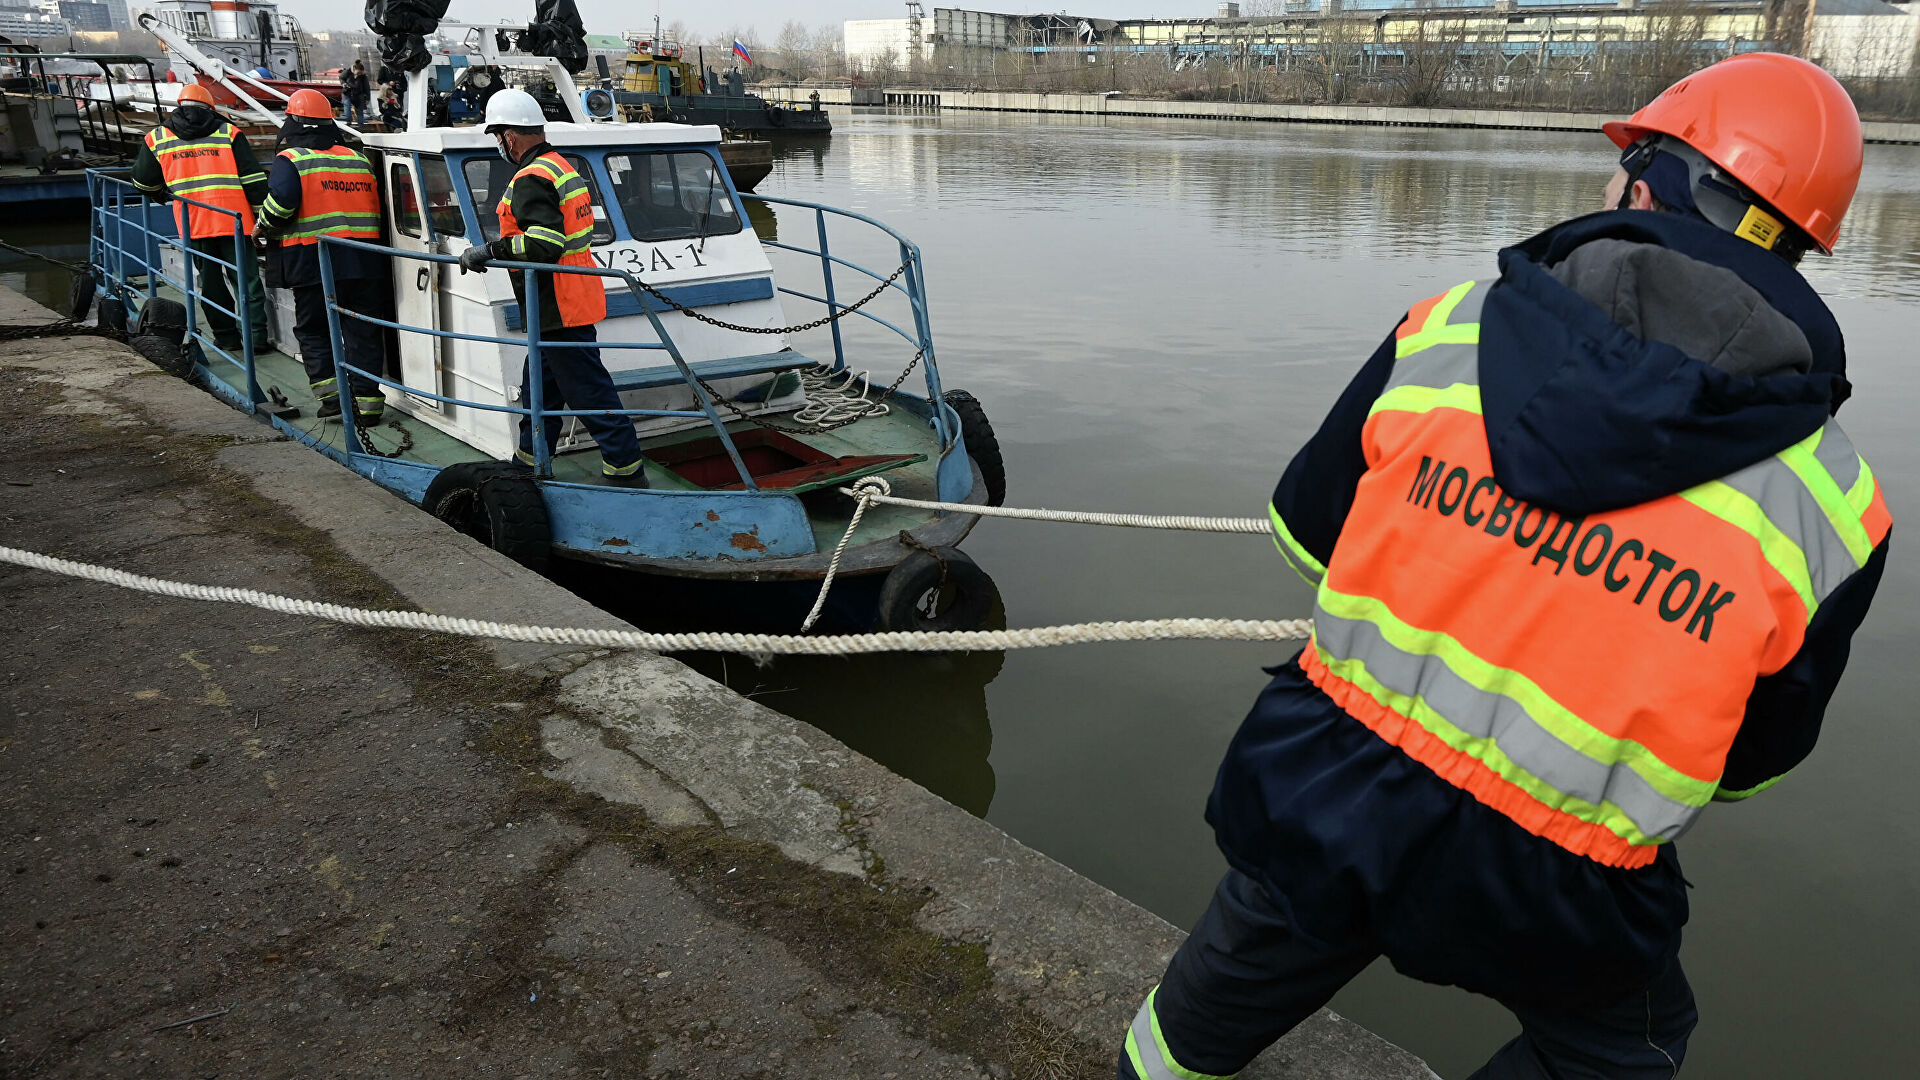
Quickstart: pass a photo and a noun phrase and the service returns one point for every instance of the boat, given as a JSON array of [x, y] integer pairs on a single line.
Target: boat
[[748, 161], [662, 83], [246, 36], [747, 439]]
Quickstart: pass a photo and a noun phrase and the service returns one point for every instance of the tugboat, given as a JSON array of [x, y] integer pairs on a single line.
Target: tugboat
[[746, 438], [661, 83]]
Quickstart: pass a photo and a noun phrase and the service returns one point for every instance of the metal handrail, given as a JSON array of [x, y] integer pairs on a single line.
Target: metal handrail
[[912, 288], [123, 196], [243, 317], [536, 414]]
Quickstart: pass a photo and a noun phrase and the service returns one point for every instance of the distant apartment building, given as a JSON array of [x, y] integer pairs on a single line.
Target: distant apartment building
[[82, 15], [21, 20], [1863, 38]]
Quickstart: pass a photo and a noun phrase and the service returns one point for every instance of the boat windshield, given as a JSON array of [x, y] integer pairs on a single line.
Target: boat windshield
[[488, 177], [672, 196]]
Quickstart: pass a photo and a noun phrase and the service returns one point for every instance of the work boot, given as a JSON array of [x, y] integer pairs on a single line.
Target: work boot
[[626, 476], [329, 409]]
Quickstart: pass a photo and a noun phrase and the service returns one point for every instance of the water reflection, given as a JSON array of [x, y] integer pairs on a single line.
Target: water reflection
[[1311, 190], [922, 716]]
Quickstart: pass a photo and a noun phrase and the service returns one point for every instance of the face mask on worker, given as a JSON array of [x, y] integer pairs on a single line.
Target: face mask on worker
[[506, 153]]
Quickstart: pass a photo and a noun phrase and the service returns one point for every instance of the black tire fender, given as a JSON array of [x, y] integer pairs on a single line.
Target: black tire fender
[[162, 318], [498, 504], [776, 116], [976, 433], [81, 300], [163, 353], [969, 593], [113, 314]]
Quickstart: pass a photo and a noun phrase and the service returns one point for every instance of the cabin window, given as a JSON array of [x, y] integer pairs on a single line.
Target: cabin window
[[406, 206], [443, 208], [489, 177], [672, 196]]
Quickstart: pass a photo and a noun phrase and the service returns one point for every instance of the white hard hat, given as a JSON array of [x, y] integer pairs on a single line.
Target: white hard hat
[[513, 107]]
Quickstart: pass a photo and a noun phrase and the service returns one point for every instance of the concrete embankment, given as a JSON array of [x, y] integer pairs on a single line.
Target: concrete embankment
[[355, 853], [1106, 105]]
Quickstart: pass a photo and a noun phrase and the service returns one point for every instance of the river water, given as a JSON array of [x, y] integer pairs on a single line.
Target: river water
[[1156, 314]]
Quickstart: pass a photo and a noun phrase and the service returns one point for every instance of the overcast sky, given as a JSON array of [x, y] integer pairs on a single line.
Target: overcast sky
[[715, 16]]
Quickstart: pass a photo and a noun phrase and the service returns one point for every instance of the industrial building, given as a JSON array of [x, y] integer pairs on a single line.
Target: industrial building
[[1855, 38]]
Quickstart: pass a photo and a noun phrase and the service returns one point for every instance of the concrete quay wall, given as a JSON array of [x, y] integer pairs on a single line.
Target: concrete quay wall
[[1105, 105], [647, 731]]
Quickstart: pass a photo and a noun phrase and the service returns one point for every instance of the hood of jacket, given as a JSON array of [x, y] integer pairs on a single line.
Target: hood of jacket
[[1629, 355], [194, 121]]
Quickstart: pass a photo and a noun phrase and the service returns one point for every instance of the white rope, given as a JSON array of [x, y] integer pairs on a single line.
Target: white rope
[[849, 645], [867, 488], [1082, 517], [831, 398]]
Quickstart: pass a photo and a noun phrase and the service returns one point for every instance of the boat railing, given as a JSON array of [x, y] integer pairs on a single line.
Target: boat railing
[[122, 219], [908, 279], [125, 245], [100, 123], [536, 344]]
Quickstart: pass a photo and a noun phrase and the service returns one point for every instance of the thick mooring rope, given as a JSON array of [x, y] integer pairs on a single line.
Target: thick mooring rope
[[764, 644], [1259, 526]]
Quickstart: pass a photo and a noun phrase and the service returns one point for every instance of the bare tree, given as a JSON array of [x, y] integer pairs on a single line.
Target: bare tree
[[1432, 48], [794, 49]]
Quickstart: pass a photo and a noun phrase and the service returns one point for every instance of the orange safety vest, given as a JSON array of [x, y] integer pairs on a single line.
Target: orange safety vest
[[205, 171], [338, 197], [1583, 676], [581, 298]]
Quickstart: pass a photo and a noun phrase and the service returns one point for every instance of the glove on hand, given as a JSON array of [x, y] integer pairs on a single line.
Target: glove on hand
[[475, 259]]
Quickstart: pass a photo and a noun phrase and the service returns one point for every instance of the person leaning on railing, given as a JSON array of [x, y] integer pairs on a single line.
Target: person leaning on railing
[[197, 155], [546, 216], [320, 186]]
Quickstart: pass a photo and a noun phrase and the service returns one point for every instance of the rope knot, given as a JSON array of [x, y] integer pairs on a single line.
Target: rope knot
[[871, 485]]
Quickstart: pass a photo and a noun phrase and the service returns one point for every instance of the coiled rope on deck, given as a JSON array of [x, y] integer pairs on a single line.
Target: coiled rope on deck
[[768, 644]]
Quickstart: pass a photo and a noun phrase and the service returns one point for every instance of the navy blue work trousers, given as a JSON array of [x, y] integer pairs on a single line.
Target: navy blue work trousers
[[574, 378], [365, 343], [1246, 977]]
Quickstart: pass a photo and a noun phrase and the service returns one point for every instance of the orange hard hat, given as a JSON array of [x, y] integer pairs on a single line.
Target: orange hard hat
[[196, 92], [311, 104], [1778, 124]]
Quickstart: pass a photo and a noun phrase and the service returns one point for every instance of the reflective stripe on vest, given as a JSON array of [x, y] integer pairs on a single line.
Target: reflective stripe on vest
[[1147, 1049], [582, 299], [1593, 707], [205, 171], [338, 197]]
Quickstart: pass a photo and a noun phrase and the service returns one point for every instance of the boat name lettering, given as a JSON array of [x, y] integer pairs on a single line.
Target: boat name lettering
[[649, 260]]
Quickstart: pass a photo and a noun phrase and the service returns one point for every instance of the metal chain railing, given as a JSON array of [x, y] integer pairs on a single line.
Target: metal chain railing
[[830, 316]]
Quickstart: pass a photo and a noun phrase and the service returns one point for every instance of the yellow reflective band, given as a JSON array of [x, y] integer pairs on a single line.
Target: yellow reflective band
[[1166, 1055], [1832, 501], [1724, 795], [1443, 334], [1781, 552], [1860, 495], [1488, 678], [1305, 565], [1443, 310], [1419, 399]]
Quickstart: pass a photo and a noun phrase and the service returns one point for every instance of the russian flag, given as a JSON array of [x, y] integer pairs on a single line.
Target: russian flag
[[740, 51]]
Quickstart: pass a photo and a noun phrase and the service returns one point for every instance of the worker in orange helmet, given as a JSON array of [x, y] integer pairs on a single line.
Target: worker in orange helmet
[[320, 185], [197, 155], [1588, 550]]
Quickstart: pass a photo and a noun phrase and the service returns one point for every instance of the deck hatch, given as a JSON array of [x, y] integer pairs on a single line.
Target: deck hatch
[[776, 461]]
